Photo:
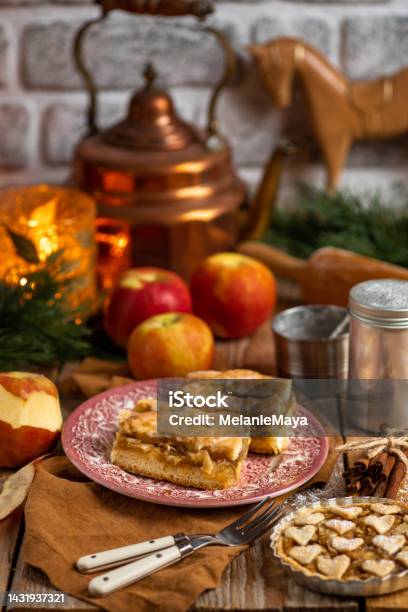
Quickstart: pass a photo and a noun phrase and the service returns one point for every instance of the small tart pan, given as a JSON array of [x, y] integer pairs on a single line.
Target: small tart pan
[[347, 588]]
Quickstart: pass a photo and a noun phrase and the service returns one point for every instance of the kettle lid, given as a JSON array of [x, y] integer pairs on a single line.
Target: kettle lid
[[152, 122]]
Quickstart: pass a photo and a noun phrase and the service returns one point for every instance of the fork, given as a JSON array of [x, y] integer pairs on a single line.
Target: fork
[[119, 556], [244, 530]]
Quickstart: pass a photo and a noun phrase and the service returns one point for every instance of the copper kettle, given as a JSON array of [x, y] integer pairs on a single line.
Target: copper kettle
[[167, 192]]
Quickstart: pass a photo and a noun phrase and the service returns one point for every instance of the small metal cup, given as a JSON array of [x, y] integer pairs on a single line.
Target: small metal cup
[[303, 346]]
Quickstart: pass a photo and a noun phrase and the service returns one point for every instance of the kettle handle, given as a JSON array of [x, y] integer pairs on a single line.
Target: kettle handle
[[170, 8]]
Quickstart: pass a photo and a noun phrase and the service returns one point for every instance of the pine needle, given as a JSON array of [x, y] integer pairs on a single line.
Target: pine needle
[[363, 224], [35, 327]]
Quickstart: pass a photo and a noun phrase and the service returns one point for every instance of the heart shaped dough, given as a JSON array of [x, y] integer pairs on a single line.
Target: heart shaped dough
[[305, 554], [333, 567], [402, 528], [340, 526], [381, 524], [345, 544], [348, 512], [309, 518], [391, 544], [402, 557], [301, 535], [380, 568], [386, 508]]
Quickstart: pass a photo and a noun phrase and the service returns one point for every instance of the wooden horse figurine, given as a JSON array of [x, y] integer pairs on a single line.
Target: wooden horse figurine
[[341, 110]]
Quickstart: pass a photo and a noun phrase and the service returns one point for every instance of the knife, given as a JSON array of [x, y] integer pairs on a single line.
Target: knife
[[118, 556], [132, 572]]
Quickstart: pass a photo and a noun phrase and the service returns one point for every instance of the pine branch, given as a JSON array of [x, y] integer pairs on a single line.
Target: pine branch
[[37, 325], [363, 224], [36, 328]]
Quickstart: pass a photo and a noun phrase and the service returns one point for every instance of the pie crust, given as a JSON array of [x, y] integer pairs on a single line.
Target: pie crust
[[200, 462], [351, 548]]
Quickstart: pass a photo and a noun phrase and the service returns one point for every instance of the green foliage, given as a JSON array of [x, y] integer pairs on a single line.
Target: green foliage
[[363, 224], [36, 326], [24, 247]]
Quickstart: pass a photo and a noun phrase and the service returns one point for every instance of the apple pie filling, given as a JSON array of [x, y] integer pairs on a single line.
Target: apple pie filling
[[167, 452], [202, 462], [362, 541]]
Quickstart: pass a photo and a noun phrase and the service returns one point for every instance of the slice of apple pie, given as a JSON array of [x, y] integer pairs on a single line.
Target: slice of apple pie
[[200, 462]]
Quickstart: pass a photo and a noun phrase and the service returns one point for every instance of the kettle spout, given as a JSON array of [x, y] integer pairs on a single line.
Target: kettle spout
[[256, 220]]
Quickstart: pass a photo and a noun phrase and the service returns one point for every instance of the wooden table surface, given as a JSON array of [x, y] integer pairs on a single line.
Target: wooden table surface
[[253, 582]]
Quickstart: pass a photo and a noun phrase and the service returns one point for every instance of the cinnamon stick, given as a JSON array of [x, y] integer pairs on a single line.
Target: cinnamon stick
[[396, 477], [350, 478], [360, 465], [381, 476], [354, 473], [373, 477], [354, 488], [377, 464], [381, 488], [368, 485]]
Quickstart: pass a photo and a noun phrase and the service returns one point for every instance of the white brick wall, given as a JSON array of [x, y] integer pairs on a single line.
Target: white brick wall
[[42, 102]]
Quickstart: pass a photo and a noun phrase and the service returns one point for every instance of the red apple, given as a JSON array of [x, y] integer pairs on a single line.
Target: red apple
[[233, 293], [170, 344], [140, 294], [30, 417]]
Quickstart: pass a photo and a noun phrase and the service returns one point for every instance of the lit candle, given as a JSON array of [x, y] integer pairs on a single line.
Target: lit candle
[[113, 238], [54, 219]]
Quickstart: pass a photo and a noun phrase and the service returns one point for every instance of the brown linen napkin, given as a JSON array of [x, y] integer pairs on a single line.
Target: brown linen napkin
[[68, 516]]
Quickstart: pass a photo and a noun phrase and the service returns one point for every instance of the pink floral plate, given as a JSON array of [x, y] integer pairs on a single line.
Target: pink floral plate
[[89, 432]]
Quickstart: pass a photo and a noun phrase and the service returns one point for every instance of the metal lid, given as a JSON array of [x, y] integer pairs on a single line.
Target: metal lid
[[382, 303], [152, 123], [158, 163]]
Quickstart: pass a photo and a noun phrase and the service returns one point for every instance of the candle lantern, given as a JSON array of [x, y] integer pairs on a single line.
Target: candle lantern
[[55, 220], [113, 238]]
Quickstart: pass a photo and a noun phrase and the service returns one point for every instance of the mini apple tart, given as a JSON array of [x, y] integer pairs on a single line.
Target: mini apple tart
[[350, 546], [200, 462]]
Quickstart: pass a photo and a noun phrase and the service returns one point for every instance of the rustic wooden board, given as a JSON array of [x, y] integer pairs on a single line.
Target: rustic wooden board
[[28, 579], [388, 603], [256, 352], [255, 581], [252, 582]]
